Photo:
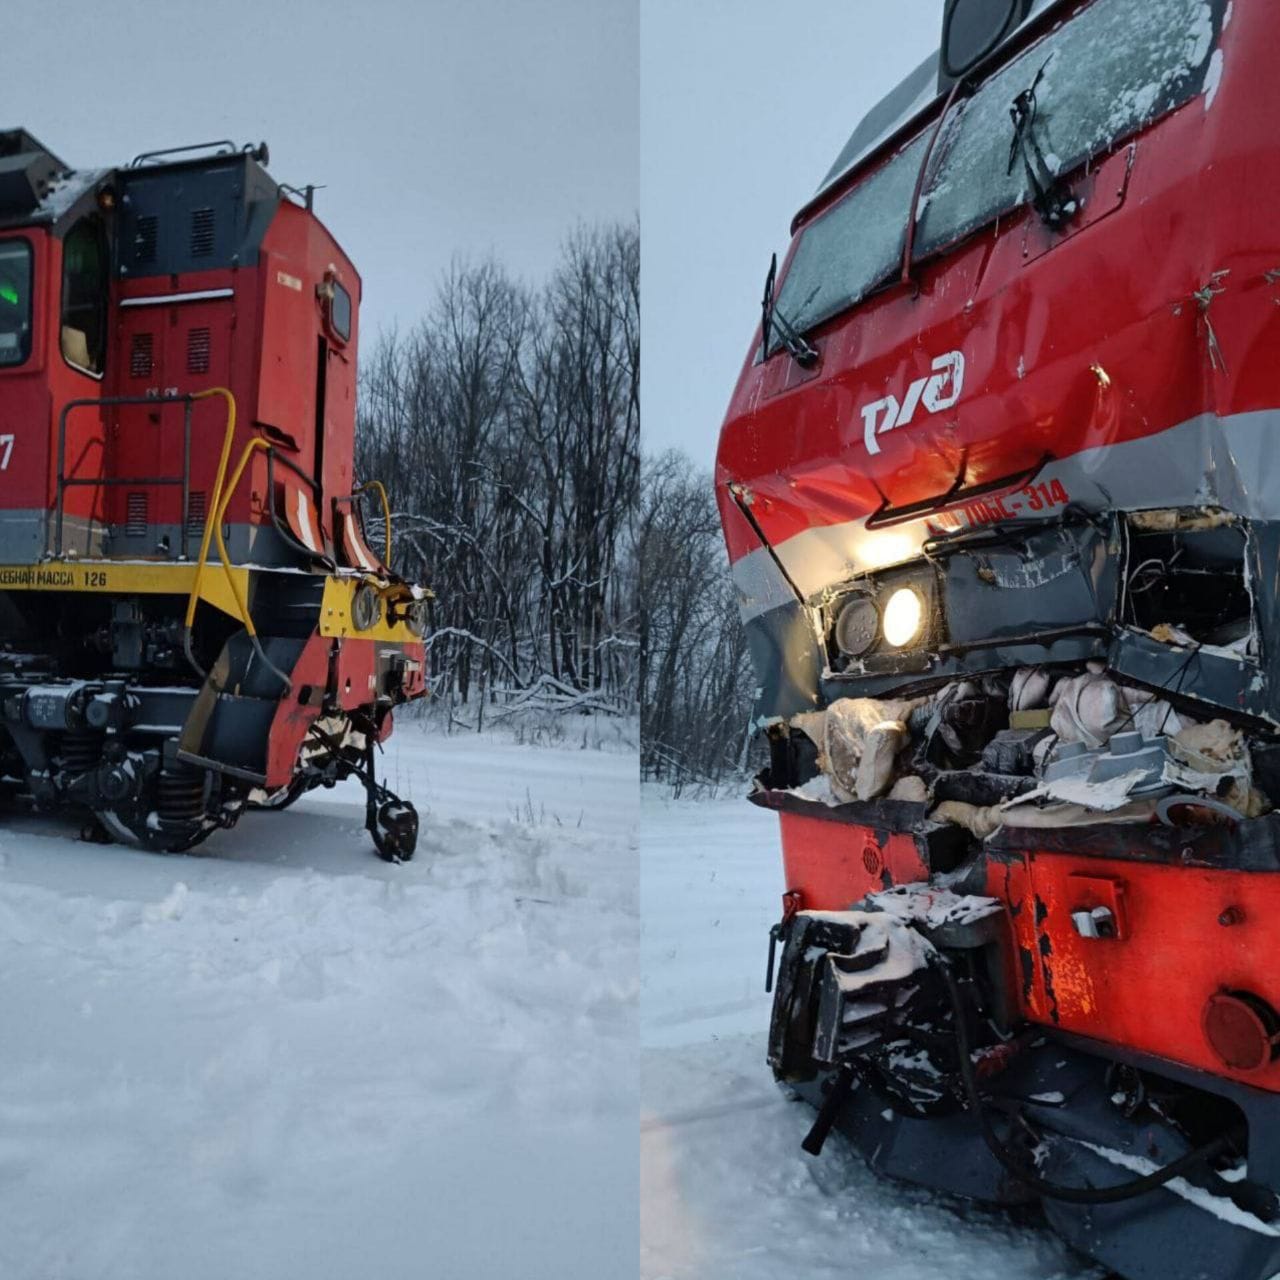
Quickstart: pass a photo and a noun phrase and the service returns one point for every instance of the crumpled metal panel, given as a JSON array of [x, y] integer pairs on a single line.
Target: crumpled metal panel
[[1031, 582]]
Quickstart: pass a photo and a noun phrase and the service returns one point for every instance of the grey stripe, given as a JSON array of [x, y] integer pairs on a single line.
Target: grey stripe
[[1228, 462], [761, 584]]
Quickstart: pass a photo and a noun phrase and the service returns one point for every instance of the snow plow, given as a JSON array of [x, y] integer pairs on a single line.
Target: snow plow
[[999, 487], [192, 622]]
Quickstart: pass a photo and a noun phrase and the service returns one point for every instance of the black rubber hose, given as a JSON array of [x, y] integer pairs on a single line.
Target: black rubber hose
[[1028, 1177]]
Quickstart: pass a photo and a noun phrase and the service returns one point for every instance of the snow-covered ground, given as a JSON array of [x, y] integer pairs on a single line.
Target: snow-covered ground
[[727, 1194], [279, 1057]]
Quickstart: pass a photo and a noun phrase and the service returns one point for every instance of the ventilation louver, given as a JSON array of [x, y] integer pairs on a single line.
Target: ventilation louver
[[141, 361], [198, 341], [135, 523], [201, 232], [145, 237]]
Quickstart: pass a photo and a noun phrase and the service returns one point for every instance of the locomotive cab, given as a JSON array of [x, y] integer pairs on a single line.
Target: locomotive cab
[[181, 530]]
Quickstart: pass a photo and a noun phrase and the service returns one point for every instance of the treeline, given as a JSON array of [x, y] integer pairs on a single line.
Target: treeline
[[507, 427], [697, 685]]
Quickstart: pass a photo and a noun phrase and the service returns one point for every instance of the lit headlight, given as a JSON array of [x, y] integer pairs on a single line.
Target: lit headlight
[[903, 617]]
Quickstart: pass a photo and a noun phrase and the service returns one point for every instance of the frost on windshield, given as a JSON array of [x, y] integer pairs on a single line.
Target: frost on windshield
[[1108, 72], [1103, 74], [854, 246]]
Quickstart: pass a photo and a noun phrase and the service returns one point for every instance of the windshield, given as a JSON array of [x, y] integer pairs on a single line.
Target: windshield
[[1108, 71], [852, 247], [15, 301]]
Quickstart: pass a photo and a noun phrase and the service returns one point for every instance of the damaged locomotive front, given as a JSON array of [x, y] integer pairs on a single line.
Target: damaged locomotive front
[[1031, 860], [1013, 612]]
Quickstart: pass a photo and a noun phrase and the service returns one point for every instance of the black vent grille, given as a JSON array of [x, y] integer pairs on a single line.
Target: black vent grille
[[201, 232], [144, 238], [141, 358], [197, 509], [135, 521], [198, 350]]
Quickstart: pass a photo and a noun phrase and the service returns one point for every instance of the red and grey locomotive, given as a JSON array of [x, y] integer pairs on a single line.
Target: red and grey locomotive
[[1001, 494]]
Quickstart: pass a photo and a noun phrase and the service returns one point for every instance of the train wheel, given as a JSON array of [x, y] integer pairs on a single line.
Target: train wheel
[[394, 828], [173, 837]]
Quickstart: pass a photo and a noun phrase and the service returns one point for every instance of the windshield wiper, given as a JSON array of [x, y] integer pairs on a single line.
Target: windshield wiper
[[1050, 198], [802, 351]]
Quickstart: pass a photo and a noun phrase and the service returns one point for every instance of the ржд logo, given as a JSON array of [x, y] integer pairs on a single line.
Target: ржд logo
[[938, 390]]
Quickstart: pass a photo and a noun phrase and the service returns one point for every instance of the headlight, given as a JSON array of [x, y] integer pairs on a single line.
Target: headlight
[[416, 618], [857, 626], [366, 607], [903, 619]]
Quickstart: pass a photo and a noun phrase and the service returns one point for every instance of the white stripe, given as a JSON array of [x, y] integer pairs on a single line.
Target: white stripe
[[305, 530], [355, 544], [159, 299]]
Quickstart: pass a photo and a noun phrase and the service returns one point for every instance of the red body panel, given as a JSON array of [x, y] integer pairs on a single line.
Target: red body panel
[[294, 717], [148, 441], [1144, 990], [1148, 988], [261, 339], [833, 864], [262, 342], [353, 666]]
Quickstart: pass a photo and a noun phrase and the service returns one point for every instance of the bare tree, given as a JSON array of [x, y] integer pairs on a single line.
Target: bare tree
[[696, 684], [508, 421]]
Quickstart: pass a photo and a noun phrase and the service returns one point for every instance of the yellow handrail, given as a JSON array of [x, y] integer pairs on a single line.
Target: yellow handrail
[[210, 520], [225, 501], [220, 500], [380, 489]]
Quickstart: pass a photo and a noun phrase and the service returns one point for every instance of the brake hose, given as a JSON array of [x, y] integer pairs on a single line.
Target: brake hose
[[1052, 1190]]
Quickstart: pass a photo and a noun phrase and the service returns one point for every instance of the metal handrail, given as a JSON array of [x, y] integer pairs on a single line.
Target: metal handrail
[[220, 499], [65, 482], [282, 526], [225, 145], [381, 490], [375, 486]]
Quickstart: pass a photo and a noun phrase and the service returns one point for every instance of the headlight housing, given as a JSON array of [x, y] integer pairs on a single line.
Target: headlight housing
[[857, 627], [882, 623], [416, 618], [366, 607]]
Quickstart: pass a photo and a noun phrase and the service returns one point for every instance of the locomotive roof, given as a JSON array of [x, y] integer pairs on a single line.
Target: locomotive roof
[[39, 189]]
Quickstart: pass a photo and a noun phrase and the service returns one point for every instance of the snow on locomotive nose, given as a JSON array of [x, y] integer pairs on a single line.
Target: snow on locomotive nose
[[998, 487], [192, 619]]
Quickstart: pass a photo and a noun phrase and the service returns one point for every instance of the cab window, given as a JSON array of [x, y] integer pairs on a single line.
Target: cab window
[[340, 312], [1107, 72], [15, 302], [853, 247], [84, 296]]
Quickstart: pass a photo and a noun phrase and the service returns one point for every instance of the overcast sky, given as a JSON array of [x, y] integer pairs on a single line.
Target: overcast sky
[[744, 106], [438, 126]]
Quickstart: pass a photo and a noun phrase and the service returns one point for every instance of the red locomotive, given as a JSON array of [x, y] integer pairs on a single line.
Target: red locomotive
[[192, 621], [997, 487]]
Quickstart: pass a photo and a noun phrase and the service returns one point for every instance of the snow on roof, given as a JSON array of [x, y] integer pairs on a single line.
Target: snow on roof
[[65, 192]]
